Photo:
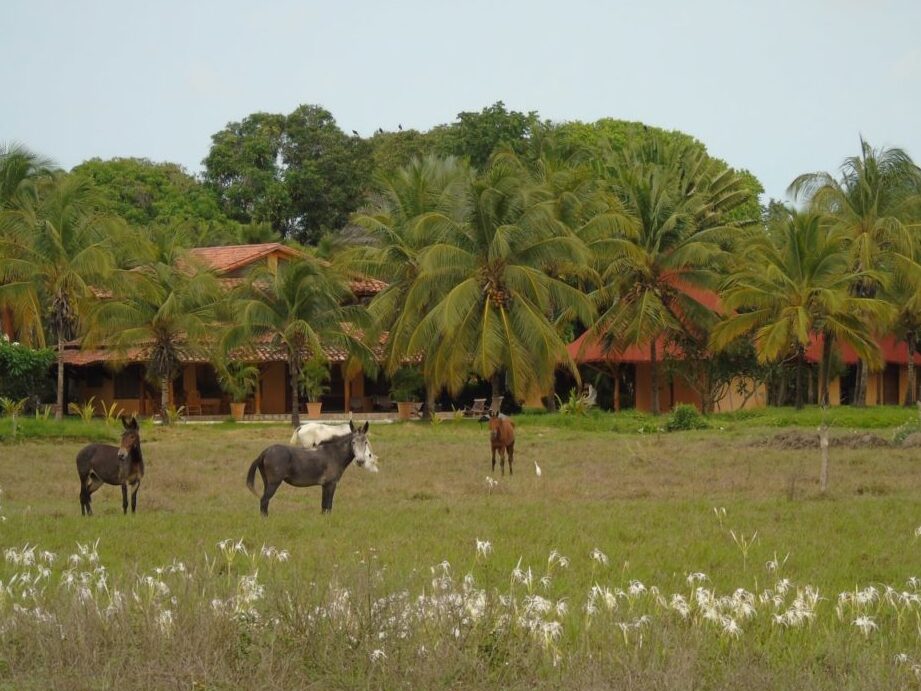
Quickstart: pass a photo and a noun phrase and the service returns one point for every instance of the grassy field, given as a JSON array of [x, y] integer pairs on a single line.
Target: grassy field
[[363, 597]]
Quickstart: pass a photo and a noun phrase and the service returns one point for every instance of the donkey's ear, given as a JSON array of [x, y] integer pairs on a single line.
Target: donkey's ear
[[351, 426], [124, 421], [364, 430], [133, 424]]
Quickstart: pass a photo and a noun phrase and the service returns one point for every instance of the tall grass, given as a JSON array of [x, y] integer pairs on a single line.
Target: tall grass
[[362, 597]]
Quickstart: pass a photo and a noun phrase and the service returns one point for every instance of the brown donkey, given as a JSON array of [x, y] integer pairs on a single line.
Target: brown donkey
[[502, 439], [99, 464]]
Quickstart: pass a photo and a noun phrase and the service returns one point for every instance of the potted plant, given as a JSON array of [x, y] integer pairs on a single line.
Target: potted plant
[[239, 381], [312, 382], [404, 389]]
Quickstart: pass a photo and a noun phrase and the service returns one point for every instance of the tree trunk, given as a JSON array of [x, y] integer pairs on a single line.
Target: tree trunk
[[429, 412], [616, 369], [59, 413], [164, 399], [825, 370], [495, 383], [295, 399], [860, 390], [654, 377], [912, 383], [799, 380]]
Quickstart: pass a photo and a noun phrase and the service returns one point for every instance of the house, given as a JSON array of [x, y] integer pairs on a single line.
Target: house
[[634, 372], [632, 367], [120, 378], [887, 386]]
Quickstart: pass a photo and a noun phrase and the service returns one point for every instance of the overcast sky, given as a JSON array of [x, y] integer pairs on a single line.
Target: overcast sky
[[778, 87]]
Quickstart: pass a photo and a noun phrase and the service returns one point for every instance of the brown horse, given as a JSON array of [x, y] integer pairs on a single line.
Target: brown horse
[[502, 439], [114, 465]]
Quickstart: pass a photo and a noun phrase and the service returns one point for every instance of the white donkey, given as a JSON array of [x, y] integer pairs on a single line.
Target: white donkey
[[311, 434]]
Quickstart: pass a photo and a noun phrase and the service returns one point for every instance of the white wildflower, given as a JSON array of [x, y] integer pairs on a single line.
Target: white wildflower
[[483, 548], [865, 624], [599, 556], [377, 655]]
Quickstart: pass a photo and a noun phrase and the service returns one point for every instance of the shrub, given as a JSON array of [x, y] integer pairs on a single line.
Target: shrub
[[685, 416], [576, 405], [24, 371], [907, 428]]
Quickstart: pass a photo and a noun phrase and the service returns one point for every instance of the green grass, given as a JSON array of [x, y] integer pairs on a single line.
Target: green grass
[[646, 500]]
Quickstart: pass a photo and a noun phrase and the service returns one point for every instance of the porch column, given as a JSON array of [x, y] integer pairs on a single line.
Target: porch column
[[346, 387], [258, 392]]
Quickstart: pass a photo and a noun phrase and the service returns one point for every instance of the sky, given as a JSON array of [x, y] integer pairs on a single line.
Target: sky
[[778, 87]]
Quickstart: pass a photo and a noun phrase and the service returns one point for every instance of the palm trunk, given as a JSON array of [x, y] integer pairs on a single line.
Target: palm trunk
[[616, 369], [429, 411], [654, 377], [495, 383], [912, 384], [799, 380], [860, 390], [59, 413], [825, 370], [295, 399], [164, 399]]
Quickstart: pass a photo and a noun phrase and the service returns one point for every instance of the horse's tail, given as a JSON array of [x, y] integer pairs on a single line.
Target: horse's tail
[[295, 440], [251, 475]]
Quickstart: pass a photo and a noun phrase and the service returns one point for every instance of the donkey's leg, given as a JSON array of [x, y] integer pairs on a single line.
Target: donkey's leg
[[329, 489], [134, 496], [511, 454], [270, 489], [125, 498], [90, 485], [502, 459], [494, 459]]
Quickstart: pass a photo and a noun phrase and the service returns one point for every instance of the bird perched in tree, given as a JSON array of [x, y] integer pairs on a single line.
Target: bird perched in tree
[[355, 133], [400, 127], [537, 470], [380, 130]]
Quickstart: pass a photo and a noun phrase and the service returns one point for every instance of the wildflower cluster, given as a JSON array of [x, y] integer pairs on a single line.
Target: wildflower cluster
[[449, 612]]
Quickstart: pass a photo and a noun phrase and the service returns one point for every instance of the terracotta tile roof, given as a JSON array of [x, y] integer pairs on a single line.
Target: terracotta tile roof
[[366, 286], [894, 351], [231, 257], [588, 349]]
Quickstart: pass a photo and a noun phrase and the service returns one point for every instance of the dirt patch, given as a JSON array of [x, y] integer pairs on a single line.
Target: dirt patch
[[798, 439], [912, 441]]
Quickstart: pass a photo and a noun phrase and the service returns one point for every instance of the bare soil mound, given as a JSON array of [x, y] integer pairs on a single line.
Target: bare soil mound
[[800, 439], [912, 441]]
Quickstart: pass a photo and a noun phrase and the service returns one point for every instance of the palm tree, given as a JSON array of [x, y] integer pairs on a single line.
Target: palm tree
[[415, 207], [903, 292], [677, 198], [21, 173], [298, 308], [870, 205], [56, 247], [791, 285], [493, 302], [167, 309]]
